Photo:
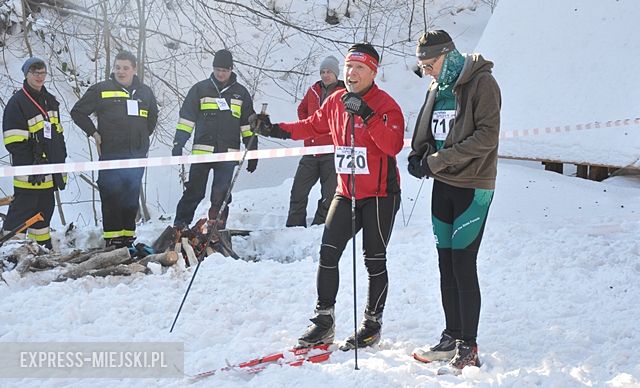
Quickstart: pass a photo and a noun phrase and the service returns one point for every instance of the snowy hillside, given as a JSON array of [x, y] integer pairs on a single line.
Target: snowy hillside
[[565, 63], [558, 263]]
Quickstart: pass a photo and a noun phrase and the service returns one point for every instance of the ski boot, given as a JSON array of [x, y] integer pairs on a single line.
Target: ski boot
[[443, 351], [368, 333], [321, 331]]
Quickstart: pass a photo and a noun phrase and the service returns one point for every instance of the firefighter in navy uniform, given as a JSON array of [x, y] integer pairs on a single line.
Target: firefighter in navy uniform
[[33, 135], [218, 110], [127, 114]]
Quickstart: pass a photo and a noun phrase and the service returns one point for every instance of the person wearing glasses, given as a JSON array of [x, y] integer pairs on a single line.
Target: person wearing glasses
[[455, 142], [127, 114], [33, 136], [217, 111]]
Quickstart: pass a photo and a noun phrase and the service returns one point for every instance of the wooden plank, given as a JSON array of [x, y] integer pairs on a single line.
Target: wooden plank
[[555, 167], [597, 173], [583, 171]]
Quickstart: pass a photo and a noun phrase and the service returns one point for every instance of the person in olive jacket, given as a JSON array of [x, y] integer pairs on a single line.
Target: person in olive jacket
[[33, 136], [455, 142], [217, 111], [127, 114]]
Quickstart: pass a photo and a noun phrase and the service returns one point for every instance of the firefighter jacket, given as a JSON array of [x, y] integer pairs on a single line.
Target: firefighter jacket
[[382, 136], [311, 103], [218, 114], [33, 135], [126, 117]]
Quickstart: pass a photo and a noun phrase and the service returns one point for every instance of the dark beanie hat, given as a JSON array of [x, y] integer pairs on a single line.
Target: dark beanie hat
[[433, 44], [365, 53], [223, 59], [30, 62]]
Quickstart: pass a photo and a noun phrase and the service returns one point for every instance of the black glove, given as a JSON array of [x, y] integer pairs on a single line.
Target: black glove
[[354, 104], [279, 133], [260, 124], [179, 140], [252, 165], [415, 167], [37, 179], [426, 170]]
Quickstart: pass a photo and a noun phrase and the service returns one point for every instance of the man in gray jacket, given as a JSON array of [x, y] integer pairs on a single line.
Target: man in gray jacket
[[456, 143]]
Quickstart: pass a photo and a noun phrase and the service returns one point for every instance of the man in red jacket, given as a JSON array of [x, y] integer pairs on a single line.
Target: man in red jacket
[[320, 166], [378, 126]]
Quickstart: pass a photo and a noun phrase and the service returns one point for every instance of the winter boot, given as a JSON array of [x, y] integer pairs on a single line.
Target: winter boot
[[443, 351], [322, 331], [466, 355], [368, 333]]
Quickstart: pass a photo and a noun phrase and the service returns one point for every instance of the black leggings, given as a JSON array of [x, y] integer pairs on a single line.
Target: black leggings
[[459, 216], [375, 216]]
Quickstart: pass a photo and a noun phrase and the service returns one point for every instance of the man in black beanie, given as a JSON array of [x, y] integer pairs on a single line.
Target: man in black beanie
[[378, 124], [218, 110], [455, 142]]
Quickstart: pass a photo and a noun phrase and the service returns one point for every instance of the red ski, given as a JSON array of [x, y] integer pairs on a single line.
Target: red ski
[[291, 357]]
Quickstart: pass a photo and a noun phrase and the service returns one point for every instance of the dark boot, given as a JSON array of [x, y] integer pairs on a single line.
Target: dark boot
[[368, 333], [321, 331], [466, 355]]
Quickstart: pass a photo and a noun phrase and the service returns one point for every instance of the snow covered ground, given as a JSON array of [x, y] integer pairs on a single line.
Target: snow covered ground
[[558, 271], [558, 264]]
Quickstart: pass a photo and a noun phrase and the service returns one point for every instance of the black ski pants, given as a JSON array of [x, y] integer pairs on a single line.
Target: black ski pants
[[459, 216], [196, 188], [310, 169], [375, 216], [119, 195]]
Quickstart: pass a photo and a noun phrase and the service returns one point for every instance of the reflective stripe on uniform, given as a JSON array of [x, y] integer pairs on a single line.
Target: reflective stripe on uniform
[[144, 113], [185, 125], [199, 149], [42, 234], [15, 136], [35, 119], [245, 130], [118, 233], [236, 107], [208, 103], [114, 94], [22, 181]]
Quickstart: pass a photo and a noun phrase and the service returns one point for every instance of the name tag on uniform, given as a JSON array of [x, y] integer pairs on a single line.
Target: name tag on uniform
[[132, 107], [222, 104], [344, 162], [47, 130], [441, 123]]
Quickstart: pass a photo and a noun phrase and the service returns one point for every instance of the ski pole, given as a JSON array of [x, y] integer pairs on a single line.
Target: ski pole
[[353, 233], [213, 229], [415, 202]]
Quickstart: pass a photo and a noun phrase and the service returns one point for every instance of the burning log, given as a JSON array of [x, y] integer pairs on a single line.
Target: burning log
[[194, 243]]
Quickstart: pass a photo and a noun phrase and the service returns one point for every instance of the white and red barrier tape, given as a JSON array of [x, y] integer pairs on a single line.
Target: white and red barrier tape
[[262, 154]]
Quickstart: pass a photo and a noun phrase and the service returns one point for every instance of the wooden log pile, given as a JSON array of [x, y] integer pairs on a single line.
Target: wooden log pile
[[31, 257]]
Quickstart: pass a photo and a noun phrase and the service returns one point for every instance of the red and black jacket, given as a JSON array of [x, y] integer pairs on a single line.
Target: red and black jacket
[[382, 135]]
